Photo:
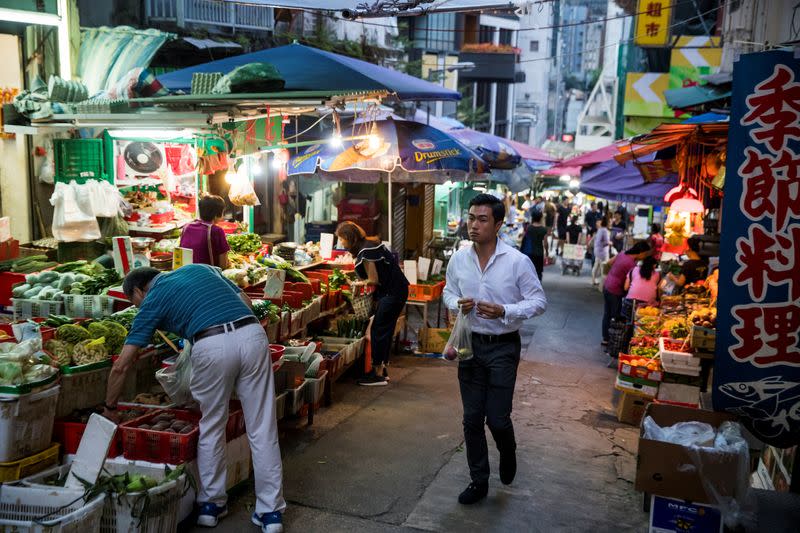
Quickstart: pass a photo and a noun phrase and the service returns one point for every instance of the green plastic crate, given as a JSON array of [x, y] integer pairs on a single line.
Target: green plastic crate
[[79, 160]]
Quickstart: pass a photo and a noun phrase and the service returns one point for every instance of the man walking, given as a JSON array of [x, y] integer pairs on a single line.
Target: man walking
[[229, 351], [497, 287], [590, 219]]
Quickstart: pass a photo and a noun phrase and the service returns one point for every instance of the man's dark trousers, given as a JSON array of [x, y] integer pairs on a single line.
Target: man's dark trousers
[[487, 392]]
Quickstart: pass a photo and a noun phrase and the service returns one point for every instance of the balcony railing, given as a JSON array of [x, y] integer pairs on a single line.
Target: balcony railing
[[211, 13]]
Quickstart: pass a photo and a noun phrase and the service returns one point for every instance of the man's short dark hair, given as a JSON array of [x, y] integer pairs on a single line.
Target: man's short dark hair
[[498, 209], [536, 215], [694, 243], [210, 207], [138, 278]]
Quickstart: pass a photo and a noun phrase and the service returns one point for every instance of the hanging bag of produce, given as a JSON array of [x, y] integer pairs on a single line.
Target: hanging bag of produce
[[459, 345], [175, 379], [242, 193], [73, 215]]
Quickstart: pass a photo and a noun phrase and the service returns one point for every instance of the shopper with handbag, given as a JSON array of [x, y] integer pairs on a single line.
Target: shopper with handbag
[[376, 265], [207, 240]]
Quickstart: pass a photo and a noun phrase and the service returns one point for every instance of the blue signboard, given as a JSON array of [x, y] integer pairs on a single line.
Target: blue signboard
[[757, 370]]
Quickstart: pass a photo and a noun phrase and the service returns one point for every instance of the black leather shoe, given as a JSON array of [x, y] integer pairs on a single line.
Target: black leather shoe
[[508, 467], [474, 493]]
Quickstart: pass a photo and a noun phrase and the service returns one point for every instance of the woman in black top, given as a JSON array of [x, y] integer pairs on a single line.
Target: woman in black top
[[376, 264]]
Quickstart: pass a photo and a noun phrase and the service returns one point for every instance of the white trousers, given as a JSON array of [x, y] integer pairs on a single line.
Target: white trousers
[[237, 360]]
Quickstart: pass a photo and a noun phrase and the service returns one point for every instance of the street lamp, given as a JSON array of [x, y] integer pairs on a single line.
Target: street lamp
[[461, 66]]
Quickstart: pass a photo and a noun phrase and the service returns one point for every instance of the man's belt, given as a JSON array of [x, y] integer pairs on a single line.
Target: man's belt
[[227, 327], [490, 339]]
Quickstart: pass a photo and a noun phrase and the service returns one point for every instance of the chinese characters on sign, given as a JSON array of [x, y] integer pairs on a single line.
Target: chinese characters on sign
[[652, 23], [758, 357]]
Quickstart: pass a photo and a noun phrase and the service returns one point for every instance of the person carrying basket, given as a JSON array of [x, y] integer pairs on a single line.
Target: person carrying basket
[[376, 265]]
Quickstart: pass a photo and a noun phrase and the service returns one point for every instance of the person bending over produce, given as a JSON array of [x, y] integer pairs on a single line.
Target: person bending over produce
[[500, 285], [229, 351], [207, 240], [376, 264]]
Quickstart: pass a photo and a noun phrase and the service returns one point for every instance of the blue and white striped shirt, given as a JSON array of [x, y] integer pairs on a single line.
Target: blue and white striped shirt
[[186, 302]]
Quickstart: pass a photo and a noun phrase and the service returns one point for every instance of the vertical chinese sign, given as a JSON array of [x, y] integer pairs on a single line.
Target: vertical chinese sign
[[653, 19], [757, 370]]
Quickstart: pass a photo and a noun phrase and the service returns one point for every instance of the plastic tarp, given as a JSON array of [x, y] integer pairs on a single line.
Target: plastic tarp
[[624, 183], [309, 69], [108, 54], [573, 165]]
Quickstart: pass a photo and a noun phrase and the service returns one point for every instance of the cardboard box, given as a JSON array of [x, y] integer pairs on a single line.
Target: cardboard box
[[435, 339], [668, 515], [640, 386], [668, 469], [631, 407]]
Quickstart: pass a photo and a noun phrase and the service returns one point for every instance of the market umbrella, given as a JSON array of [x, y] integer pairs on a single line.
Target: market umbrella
[[573, 165], [624, 183], [400, 150], [495, 150], [305, 68]]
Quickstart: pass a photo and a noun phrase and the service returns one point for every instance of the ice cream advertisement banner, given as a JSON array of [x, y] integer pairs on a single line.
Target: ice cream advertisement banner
[[757, 371]]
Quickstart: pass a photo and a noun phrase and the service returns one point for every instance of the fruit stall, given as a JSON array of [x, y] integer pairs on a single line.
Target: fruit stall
[[669, 356]]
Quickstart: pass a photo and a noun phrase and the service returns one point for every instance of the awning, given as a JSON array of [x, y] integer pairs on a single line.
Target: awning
[[306, 69], [697, 95], [107, 54], [624, 183], [669, 135], [573, 165]]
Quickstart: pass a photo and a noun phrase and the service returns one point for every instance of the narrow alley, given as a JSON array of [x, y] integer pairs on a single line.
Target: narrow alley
[[392, 458]]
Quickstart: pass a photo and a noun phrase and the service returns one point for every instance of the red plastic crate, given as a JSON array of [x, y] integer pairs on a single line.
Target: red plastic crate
[[160, 446], [7, 281], [294, 299], [625, 367], [361, 206], [69, 435], [303, 288], [425, 293]]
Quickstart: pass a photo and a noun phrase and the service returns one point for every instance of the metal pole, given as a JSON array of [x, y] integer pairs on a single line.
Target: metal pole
[[391, 208]]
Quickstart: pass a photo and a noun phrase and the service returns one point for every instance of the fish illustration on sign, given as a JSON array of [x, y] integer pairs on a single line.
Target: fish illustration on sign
[[770, 402]]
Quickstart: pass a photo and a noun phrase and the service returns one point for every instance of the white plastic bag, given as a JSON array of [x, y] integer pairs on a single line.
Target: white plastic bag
[[175, 380], [73, 214], [459, 345], [242, 193], [105, 198]]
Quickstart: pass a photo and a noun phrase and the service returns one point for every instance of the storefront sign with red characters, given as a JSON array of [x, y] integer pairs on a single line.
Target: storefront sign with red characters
[[757, 372]]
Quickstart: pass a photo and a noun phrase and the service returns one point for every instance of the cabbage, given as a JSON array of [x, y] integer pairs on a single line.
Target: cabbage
[[10, 373]]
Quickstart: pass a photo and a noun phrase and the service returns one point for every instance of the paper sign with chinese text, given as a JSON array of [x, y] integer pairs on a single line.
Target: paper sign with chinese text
[[757, 368], [181, 257], [652, 23]]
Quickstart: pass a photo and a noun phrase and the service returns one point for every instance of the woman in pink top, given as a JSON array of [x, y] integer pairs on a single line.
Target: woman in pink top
[[614, 287], [207, 240], [642, 282]]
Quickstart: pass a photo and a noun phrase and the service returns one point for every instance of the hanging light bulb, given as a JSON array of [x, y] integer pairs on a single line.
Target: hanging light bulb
[[565, 178], [574, 183], [280, 158], [374, 142], [336, 140]]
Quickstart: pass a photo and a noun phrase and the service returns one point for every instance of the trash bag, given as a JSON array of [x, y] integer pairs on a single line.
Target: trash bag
[[242, 193], [459, 345], [175, 380], [250, 78]]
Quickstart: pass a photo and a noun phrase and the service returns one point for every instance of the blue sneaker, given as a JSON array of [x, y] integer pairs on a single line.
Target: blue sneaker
[[269, 522], [210, 514]]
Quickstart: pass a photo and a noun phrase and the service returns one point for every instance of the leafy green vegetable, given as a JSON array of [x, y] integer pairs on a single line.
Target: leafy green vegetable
[[245, 243], [72, 333]]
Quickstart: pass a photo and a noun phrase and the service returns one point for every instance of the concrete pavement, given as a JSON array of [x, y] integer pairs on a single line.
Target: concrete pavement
[[392, 458]]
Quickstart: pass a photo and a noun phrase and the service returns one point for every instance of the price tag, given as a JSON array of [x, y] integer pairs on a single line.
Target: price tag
[[410, 270], [437, 266], [273, 288], [423, 267], [123, 254], [181, 257], [326, 245]]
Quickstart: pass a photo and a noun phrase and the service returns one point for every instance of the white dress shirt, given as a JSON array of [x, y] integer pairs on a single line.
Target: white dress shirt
[[509, 280]]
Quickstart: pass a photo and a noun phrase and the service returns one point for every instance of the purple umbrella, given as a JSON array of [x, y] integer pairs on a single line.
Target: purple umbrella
[[624, 183]]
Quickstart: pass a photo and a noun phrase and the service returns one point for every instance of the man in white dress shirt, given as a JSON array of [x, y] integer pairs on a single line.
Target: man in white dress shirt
[[498, 288]]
